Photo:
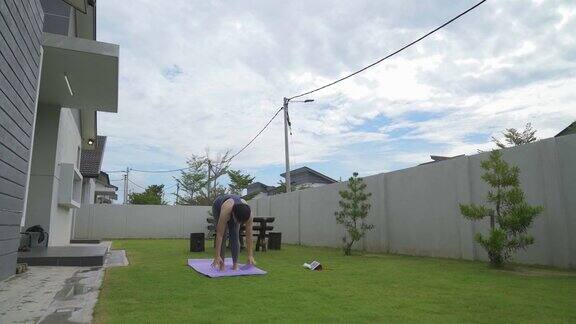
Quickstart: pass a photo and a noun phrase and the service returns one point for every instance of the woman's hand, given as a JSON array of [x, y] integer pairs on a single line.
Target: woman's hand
[[218, 263]]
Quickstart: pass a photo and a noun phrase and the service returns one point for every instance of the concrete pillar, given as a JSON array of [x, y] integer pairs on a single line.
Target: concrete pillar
[[43, 186], [57, 140]]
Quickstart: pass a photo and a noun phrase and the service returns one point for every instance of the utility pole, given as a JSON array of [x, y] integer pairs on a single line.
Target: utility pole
[[124, 189], [126, 186], [286, 148], [288, 125]]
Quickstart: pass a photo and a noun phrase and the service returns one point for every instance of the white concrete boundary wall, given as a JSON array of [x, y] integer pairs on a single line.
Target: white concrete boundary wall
[[415, 211], [139, 221]]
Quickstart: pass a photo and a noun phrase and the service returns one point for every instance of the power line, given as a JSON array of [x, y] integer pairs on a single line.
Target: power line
[[226, 161], [320, 88], [390, 55], [258, 134], [137, 185], [159, 171], [142, 187]]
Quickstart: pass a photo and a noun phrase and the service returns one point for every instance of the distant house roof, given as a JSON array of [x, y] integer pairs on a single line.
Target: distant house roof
[[104, 179], [258, 187], [438, 158], [307, 170], [571, 129], [107, 194], [91, 160], [300, 176]]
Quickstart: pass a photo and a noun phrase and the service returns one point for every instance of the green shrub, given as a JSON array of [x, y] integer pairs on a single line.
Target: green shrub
[[353, 210], [510, 217]]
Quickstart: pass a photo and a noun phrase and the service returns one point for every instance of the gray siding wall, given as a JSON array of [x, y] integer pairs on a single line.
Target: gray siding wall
[[20, 54]]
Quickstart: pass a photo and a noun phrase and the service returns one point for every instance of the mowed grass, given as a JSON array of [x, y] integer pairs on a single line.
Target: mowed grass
[[158, 287]]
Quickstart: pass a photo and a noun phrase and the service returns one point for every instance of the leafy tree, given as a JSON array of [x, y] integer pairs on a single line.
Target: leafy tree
[[239, 181], [353, 210], [510, 216], [281, 188], [192, 181], [199, 182], [514, 137], [203, 200], [151, 196], [217, 168]]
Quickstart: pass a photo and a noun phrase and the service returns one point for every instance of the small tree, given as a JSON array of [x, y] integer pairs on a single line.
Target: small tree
[[199, 182], [192, 181], [238, 181], [281, 188], [353, 210], [514, 137], [511, 216], [217, 168], [151, 196]]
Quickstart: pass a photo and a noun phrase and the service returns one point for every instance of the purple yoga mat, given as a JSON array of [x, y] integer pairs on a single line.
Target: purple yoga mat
[[204, 266]]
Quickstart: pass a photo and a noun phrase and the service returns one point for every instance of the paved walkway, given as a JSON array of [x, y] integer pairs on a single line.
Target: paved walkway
[[55, 294]]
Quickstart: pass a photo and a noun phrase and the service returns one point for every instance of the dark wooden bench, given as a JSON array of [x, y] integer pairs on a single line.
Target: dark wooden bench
[[260, 230]]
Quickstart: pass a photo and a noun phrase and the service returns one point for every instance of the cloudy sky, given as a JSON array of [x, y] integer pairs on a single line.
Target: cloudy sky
[[197, 75]]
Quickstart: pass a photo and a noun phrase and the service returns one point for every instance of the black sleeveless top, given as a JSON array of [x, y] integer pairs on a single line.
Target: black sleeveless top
[[221, 199]]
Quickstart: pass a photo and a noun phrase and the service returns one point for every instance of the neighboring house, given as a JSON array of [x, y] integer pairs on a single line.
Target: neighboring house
[[96, 187], [571, 129], [258, 189], [303, 177], [306, 177], [54, 77], [105, 192]]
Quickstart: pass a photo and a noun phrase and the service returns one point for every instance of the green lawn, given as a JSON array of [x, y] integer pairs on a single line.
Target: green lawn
[[159, 287]]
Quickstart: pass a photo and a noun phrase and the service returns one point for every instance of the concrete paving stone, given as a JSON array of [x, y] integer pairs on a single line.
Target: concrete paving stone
[[48, 294]]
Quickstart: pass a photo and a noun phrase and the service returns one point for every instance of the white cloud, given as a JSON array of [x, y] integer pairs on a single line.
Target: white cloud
[[210, 74]]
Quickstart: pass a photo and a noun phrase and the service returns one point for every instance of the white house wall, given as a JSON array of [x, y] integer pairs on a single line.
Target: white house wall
[[57, 141], [68, 151], [42, 185], [102, 188]]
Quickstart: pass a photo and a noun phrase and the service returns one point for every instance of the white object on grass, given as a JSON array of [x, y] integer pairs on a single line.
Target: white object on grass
[[314, 265]]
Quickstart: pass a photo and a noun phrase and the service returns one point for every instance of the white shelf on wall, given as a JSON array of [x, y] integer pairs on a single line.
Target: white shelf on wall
[[70, 189]]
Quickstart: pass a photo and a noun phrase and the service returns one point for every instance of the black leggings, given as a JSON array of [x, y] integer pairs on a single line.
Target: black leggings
[[232, 231]]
